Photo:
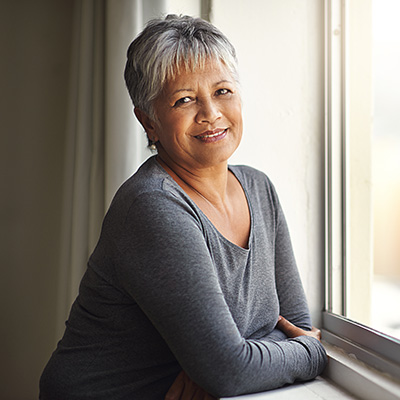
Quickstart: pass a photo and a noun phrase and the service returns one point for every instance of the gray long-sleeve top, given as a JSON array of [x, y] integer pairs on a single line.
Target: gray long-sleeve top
[[164, 290]]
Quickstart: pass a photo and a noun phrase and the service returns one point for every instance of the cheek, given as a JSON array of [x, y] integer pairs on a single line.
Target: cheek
[[178, 123], [240, 116], [166, 128], [236, 114], [172, 133]]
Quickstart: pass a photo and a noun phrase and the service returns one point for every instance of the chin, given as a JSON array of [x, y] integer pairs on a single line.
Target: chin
[[211, 158]]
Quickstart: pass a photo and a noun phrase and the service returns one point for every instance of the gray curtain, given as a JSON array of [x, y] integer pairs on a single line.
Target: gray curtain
[[104, 144]]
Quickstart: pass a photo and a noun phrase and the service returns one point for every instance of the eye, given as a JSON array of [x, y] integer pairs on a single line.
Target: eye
[[183, 100], [222, 92]]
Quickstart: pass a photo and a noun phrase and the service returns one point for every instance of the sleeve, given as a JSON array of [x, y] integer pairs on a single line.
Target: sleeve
[[166, 267], [292, 299]]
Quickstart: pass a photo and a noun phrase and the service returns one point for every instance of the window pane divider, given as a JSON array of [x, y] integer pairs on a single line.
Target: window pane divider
[[335, 157]]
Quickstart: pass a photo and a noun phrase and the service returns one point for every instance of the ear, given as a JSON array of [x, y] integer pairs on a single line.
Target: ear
[[147, 123]]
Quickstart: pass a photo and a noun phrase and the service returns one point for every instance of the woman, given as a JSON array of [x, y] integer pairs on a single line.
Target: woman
[[183, 294]]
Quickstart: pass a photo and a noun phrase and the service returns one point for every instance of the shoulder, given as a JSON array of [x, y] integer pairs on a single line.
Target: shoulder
[[149, 193], [254, 180], [149, 177]]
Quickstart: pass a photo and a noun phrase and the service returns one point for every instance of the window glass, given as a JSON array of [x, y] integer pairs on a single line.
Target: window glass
[[372, 164], [385, 312]]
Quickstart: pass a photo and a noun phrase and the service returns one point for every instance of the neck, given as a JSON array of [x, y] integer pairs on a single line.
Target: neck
[[209, 183]]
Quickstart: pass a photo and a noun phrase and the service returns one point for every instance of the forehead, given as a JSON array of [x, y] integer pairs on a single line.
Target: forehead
[[211, 72]]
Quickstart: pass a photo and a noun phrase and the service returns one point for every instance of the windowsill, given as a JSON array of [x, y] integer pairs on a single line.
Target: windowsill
[[358, 378], [318, 389]]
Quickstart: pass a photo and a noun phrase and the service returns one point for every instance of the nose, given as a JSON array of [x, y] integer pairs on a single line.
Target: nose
[[208, 112]]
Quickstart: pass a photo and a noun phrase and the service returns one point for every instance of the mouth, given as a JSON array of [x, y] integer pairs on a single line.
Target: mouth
[[212, 136]]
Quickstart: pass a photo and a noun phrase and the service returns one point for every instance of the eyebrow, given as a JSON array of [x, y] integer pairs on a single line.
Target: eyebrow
[[192, 90], [181, 90]]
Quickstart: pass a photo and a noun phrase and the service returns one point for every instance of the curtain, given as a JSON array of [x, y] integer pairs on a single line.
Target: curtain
[[105, 143], [83, 199]]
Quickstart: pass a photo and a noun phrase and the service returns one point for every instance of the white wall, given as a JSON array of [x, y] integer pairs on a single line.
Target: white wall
[[281, 54]]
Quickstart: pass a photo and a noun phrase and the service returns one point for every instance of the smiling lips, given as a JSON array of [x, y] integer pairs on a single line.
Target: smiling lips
[[212, 136]]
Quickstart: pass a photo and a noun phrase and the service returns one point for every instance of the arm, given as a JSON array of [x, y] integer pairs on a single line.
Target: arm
[[167, 269], [183, 387], [292, 299], [293, 331]]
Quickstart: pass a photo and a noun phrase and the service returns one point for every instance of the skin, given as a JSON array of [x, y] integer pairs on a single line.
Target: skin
[[198, 127], [185, 389]]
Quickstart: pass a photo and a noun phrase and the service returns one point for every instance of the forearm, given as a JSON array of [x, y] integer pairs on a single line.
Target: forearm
[[265, 365]]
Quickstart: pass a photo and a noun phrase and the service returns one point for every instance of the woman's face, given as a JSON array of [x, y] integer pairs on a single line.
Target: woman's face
[[199, 118]]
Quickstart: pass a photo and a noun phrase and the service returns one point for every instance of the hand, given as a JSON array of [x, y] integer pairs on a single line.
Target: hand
[[184, 388], [293, 331]]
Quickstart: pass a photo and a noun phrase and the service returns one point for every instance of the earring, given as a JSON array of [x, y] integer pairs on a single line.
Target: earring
[[152, 145]]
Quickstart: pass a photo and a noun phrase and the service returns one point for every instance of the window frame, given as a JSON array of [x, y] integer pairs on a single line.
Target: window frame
[[368, 345]]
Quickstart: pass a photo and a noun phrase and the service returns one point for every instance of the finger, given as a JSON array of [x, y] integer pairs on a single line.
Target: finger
[[316, 332], [192, 391], [176, 390]]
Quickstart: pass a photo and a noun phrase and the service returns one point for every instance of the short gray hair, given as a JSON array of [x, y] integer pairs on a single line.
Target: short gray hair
[[166, 46]]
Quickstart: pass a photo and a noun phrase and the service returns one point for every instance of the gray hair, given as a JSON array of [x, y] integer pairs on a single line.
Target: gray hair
[[165, 47]]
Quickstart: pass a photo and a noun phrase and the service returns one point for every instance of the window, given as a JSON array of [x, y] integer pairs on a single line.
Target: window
[[363, 180]]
